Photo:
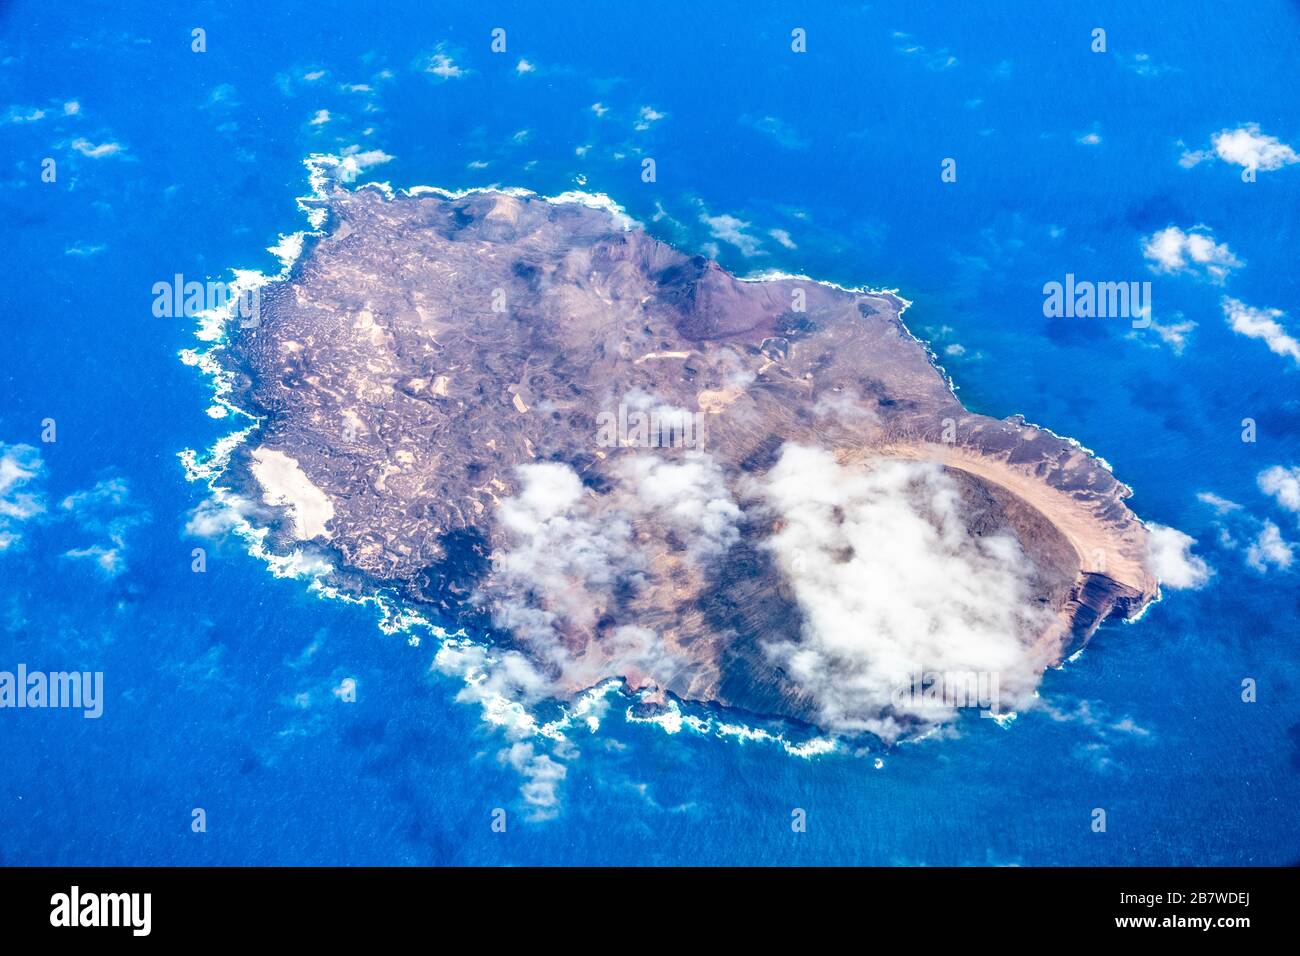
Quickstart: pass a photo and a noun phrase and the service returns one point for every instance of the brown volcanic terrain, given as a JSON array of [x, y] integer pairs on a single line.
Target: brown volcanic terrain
[[426, 347]]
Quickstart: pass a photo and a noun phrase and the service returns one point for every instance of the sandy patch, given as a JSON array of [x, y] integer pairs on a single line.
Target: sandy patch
[[1117, 551], [285, 485]]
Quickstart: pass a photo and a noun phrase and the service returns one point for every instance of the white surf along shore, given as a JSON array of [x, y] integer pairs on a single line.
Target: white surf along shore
[[284, 483], [457, 653]]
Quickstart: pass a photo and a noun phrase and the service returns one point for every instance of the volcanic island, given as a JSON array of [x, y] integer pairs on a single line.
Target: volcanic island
[[606, 458]]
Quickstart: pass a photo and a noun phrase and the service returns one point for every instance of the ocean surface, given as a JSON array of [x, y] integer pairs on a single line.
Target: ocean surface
[[220, 687]]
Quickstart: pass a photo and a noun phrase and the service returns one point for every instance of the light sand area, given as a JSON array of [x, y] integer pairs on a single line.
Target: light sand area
[[284, 484], [1119, 551]]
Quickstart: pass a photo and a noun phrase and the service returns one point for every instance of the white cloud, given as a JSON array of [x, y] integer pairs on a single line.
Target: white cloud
[[1247, 146], [504, 684], [1175, 334], [1221, 505], [23, 114], [782, 237], [1269, 548], [730, 229], [571, 556], [104, 510], [600, 109], [222, 95], [22, 474], [543, 775], [690, 495], [96, 151], [1142, 64], [934, 60], [1172, 560], [84, 249], [648, 115], [112, 491], [845, 406], [1263, 324], [321, 118], [107, 511], [562, 564], [215, 519], [1174, 251], [1265, 548], [1282, 484], [442, 65], [354, 161], [109, 561], [523, 66], [500, 682], [890, 583]]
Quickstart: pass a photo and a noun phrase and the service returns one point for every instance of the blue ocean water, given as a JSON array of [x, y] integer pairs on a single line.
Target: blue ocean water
[[219, 686]]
